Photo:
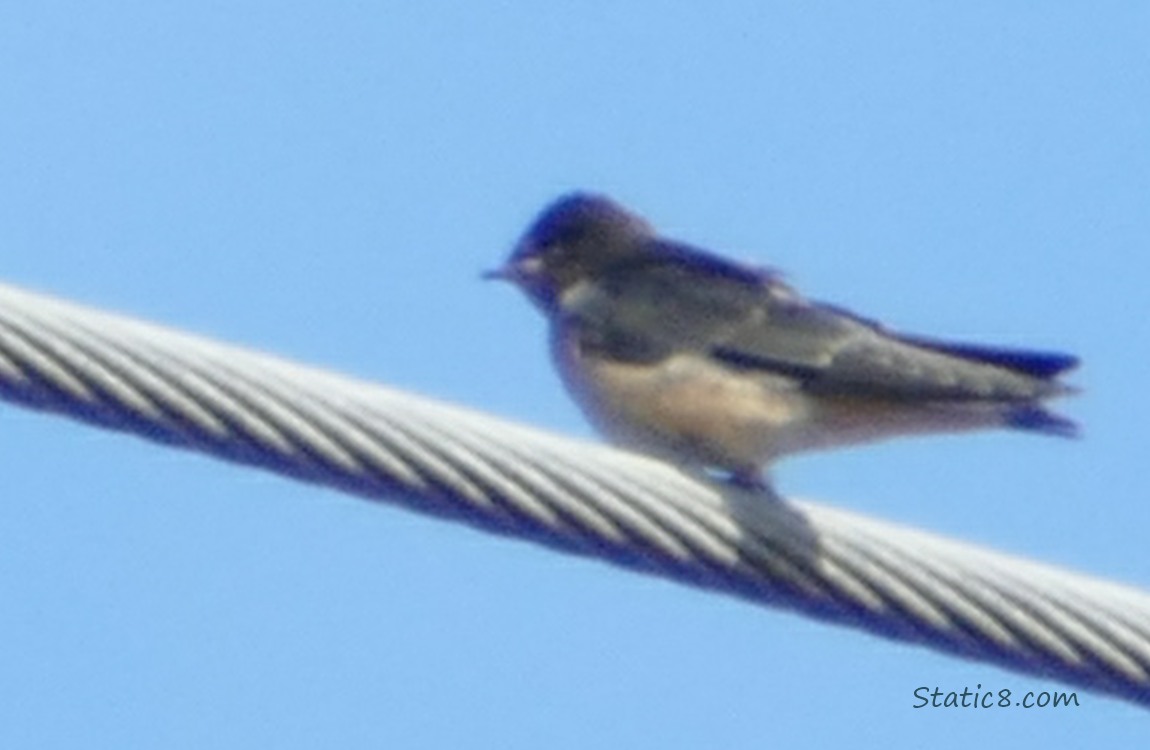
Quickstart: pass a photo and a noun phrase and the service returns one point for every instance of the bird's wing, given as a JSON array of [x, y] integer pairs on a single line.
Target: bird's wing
[[751, 321], [833, 352], [665, 304]]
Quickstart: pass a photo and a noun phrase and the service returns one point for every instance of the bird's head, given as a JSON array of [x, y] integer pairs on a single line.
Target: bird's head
[[579, 237]]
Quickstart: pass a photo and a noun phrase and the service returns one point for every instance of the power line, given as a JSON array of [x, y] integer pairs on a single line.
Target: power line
[[580, 497]]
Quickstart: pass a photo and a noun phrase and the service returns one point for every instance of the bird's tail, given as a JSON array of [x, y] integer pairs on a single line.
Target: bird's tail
[[1037, 418], [1044, 367]]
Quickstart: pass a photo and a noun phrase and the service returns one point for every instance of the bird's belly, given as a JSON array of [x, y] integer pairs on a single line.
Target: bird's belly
[[687, 407]]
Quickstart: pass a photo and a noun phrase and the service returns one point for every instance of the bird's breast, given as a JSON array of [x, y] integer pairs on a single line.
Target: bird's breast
[[686, 405]]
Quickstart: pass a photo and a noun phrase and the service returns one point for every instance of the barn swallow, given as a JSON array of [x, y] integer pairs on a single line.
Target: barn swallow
[[680, 353]]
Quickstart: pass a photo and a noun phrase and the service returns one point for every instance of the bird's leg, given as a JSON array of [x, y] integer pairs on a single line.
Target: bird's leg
[[750, 479]]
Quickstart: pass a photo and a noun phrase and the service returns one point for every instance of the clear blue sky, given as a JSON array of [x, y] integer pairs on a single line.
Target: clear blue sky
[[326, 180]]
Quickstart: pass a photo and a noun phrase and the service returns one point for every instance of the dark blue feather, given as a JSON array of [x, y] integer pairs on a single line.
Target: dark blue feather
[[1034, 418]]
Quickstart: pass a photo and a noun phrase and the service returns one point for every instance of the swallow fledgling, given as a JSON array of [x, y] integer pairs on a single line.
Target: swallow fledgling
[[680, 353]]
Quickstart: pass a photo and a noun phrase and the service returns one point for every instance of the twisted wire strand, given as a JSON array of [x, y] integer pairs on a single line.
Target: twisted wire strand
[[583, 498]]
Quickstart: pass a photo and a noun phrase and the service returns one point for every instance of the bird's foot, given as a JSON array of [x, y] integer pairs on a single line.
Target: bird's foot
[[752, 480]]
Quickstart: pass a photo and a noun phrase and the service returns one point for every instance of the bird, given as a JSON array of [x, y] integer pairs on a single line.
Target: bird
[[720, 366]]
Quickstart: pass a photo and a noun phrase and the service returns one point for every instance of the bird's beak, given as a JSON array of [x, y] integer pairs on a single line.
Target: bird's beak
[[519, 270], [503, 273]]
